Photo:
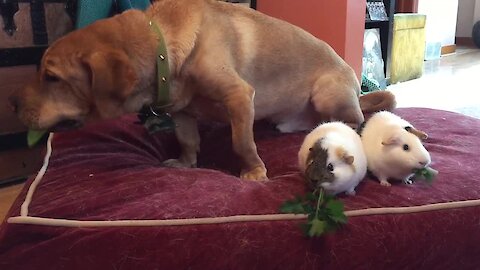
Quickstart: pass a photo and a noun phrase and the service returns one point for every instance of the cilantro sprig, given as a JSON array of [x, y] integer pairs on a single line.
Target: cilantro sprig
[[324, 212], [427, 174], [34, 136]]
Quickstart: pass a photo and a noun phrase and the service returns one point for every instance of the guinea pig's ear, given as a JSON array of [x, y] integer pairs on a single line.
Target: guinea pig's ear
[[392, 139], [343, 155], [348, 159], [420, 134]]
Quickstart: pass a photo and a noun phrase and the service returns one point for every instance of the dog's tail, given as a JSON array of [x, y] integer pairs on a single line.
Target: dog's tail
[[377, 101]]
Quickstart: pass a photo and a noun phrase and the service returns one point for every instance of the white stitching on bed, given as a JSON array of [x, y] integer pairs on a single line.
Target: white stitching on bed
[[25, 219], [38, 178], [234, 219]]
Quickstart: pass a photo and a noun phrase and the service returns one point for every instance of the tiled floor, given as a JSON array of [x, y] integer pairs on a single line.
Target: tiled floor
[[450, 83]]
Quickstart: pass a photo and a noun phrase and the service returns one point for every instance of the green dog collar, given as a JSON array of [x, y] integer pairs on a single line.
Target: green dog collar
[[154, 117], [163, 71]]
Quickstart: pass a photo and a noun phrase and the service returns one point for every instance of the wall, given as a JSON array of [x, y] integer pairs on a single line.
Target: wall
[[466, 10], [354, 34], [340, 23], [441, 20], [476, 16]]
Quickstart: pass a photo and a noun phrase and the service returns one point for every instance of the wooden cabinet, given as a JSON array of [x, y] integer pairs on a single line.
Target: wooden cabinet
[[11, 79], [16, 159], [27, 29]]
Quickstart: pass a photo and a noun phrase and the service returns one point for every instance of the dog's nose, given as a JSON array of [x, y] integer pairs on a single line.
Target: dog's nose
[[13, 100]]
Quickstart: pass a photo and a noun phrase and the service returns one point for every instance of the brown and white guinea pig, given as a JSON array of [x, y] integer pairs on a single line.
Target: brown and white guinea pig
[[332, 157], [393, 147]]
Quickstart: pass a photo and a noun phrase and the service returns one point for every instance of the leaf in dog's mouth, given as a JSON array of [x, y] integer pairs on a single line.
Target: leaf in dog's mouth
[[34, 136]]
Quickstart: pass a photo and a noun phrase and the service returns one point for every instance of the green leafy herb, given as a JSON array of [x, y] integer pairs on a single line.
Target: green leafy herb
[[34, 136], [428, 174], [316, 227], [336, 212], [294, 206], [324, 212]]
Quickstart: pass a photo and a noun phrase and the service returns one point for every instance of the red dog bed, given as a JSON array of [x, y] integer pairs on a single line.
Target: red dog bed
[[208, 218]]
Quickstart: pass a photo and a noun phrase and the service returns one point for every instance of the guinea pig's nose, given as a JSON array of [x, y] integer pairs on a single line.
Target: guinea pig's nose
[[423, 163], [14, 101]]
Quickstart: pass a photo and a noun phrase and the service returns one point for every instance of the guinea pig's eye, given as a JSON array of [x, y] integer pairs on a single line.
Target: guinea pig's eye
[[330, 167], [406, 147]]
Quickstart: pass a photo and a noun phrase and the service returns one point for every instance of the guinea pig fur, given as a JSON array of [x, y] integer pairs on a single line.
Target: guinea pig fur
[[393, 147], [332, 157]]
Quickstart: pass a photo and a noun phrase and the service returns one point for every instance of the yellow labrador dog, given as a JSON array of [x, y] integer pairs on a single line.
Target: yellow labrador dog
[[226, 62]]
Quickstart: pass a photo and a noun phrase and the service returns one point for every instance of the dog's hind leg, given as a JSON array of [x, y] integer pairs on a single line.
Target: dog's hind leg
[[336, 99], [301, 121], [189, 140]]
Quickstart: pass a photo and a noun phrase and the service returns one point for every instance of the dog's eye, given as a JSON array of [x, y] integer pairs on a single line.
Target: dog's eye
[[330, 167], [51, 78], [406, 147]]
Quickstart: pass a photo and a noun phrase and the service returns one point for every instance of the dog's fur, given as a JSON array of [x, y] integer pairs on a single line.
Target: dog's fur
[[227, 63]]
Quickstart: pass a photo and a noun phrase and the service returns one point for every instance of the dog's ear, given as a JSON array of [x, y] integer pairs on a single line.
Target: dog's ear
[[111, 75], [112, 81]]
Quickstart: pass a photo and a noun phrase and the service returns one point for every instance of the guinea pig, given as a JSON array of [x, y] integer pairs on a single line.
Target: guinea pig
[[393, 147], [332, 157]]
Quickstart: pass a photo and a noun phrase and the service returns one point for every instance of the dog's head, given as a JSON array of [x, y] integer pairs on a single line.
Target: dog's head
[[81, 78]]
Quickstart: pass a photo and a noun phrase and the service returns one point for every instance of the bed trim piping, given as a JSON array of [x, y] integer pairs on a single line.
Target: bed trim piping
[[24, 218]]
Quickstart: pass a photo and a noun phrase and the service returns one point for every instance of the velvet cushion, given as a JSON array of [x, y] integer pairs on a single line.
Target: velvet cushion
[[112, 171]]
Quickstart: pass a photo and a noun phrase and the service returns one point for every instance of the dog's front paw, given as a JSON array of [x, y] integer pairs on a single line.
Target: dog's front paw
[[257, 174], [177, 163]]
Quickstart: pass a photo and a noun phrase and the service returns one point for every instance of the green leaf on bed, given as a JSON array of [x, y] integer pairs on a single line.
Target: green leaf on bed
[[334, 207], [310, 197], [34, 136], [293, 206], [317, 227], [324, 212], [336, 212]]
